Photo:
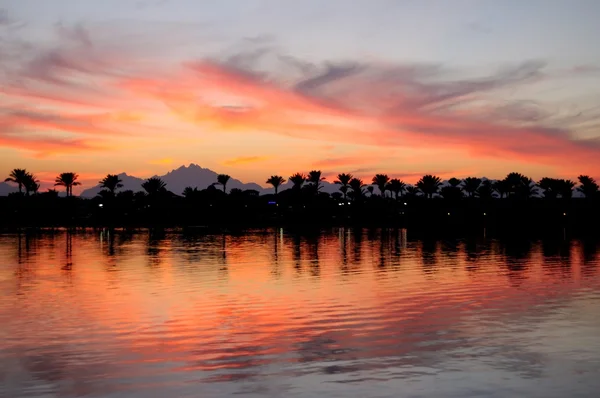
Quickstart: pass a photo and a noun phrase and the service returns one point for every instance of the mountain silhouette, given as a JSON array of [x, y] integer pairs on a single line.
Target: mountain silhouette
[[6, 189], [177, 179], [129, 183]]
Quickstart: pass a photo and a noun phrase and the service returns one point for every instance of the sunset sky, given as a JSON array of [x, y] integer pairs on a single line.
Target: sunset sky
[[252, 88]]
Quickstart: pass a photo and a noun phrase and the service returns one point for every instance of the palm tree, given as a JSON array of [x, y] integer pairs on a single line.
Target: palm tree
[[397, 187], [550, 186], [455, 182], [429, 185], [67, 180], [298, 180], [154, 186], [485, 189], [472, 185], [31, 184], [381, 180], [189, 192], [19, 177], [276, 181], [314, 178], [344, 180], [565, 188], [357, 186], [111, 182], [588, 187], [223, 179], [453, 190], [412, 191], [514, 182], [502, 187], [528, 188]]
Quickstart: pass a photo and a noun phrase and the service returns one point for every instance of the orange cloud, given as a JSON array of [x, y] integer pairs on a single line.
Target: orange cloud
[[87, 93], [244, 160], [164, 161]]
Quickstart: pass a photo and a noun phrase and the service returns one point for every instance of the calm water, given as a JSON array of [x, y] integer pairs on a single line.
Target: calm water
[[273, 314]]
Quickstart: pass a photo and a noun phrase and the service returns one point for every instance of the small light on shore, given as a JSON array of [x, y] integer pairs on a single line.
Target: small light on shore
[[448, 213], [100, 205], [485, 214], [405, 204], [564, 214]]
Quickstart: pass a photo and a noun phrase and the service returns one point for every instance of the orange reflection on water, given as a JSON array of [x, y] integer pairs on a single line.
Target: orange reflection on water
[[135, 308]]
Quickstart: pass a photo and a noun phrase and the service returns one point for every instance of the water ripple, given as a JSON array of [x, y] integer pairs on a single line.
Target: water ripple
[[270, 313]]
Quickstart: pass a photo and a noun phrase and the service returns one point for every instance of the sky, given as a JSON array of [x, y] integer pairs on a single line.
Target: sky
[[253, 88]]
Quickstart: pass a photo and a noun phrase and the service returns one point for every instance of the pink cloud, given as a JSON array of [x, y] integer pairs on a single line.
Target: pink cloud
[[371, 105]]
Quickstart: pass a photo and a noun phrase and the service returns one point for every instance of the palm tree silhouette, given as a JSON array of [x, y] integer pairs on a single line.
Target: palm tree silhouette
[[298, 180], [223, 179], [502, 187], [154, 186], [189, 192], [550, 186], [19, 177], [276, 181], [429, 185], [357, 186], [381, 180], [472, 185], [67, 180], [314, 178], [588, 186], [344, 179], [455, 183], [514, 182], [565, 188], [485, 189], [412, 191], [397, 186], [111, 182], [31, 184], [528, 188]]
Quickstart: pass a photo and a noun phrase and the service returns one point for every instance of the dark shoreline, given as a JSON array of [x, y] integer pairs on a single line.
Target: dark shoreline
[[467, 216]]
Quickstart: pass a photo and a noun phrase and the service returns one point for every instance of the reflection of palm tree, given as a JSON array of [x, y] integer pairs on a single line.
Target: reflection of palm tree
[[429, 185], [381, 180], [153, 186], [472, 185], [111, 182], [397, 187], [314, 178], [588, 187], [276, 181], [223, 179], [67, 180], [19, 177], [344, 181]]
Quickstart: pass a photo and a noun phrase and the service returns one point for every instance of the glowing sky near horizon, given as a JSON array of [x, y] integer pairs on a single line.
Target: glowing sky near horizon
[[253, 88]]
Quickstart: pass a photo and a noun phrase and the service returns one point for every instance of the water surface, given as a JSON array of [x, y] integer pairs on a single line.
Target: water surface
[[340, 313]]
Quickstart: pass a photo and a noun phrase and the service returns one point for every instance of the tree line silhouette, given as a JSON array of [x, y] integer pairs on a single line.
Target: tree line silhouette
[[515, 199]]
